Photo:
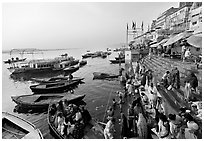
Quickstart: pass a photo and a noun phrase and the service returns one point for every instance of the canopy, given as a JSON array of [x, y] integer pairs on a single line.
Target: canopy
[[131, 42], [195, 40], [178, 37], [136, 42], [198, 30], [160, 43]]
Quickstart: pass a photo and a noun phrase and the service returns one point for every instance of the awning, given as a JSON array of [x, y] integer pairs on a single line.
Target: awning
[[178, 37], [198, 30], [163, 41], [131, 42], [170, 41], [153, 44], [160, 43], [137, 41], [195, 40]]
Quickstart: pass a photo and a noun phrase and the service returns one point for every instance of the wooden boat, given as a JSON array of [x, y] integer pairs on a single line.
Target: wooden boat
[[91, 130], [94, 55], [120, 58], [82, 63], [38, 66], [87, 55], [70, 70], [99, 75], [52, 87], [108, 49], [117, 61], [56, 79], [9, 61], [103, 55], [42, 101], [14, 127]]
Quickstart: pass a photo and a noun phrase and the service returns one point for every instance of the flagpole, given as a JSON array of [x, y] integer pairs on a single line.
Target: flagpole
[[127, 36]]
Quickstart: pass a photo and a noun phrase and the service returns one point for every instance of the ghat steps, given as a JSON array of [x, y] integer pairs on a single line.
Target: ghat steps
[[174, 97]]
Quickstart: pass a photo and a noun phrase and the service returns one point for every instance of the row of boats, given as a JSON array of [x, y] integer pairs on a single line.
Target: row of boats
[[101, 54], [45, 94], [27, 69], [54, 65], [20, 68], [119, 59], [46, 91], [14, 127]]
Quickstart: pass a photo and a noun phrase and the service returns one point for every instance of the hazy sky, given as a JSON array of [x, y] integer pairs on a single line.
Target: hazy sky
[[74, 25]]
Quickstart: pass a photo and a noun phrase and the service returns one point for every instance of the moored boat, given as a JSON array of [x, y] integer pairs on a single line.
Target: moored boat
[[53, 87], [9, 61], [86, 128], [70, 70], [41, 101], [120, 58], [117, 61], [56, 79], [14, 127], [103, 55], [82, 63], [38, 66], [99, 75], [87, 55]]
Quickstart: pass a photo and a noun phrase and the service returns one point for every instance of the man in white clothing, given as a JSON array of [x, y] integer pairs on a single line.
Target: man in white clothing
[[109, 129]]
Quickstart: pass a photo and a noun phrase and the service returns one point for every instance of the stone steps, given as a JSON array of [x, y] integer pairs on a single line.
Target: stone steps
[[169, 64], [160, 65]]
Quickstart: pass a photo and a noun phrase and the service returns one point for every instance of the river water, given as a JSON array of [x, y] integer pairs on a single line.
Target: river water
[[99, 93]]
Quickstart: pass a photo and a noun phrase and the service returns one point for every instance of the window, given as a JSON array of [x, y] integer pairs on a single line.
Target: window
[[197, 49], [195, 15], [194, 23]]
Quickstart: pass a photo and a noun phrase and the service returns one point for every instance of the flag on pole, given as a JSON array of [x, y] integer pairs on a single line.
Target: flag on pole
[[142, 26], [133, 25]]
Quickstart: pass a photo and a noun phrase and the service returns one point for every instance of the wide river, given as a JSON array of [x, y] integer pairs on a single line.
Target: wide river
[[99, 93]]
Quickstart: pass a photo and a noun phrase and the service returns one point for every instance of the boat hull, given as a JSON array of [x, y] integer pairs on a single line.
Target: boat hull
[[43, 104], [56, 80], [14, 61], [98, 75], [70, 70], [16, 127], [117, 61], [82, 63], [53, 88], [36, 74]]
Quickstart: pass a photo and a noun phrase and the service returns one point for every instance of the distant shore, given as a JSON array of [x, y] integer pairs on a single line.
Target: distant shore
[[8, 51]]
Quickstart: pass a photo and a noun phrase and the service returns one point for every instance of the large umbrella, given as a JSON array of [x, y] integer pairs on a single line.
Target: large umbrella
[[195, 40]]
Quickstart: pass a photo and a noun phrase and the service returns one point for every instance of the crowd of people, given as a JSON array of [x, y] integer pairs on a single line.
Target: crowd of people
[[148, 113], [69, 119], [147, 116]]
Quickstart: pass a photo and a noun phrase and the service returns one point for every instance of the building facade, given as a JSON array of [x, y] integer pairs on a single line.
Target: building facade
[[179, 19], [195, 16], [161, 20]]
